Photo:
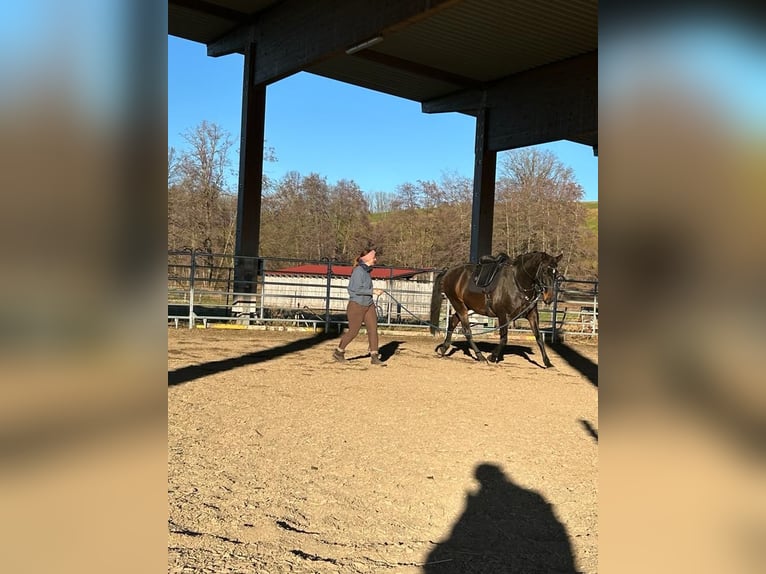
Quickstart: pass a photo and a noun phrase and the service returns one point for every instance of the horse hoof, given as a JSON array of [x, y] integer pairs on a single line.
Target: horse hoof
[[440, 350]]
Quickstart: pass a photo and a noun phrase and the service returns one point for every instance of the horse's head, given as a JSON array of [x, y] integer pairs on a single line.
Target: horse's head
[[546, 276]]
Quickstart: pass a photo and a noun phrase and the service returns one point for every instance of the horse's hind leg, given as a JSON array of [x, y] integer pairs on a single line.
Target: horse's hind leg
[[451, 324], [469, 337]]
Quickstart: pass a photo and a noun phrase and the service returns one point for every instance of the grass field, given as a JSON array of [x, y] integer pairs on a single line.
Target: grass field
[[591, 220]]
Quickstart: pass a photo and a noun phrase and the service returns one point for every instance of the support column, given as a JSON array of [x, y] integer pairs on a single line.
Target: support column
[[250, 176], [483, 207]]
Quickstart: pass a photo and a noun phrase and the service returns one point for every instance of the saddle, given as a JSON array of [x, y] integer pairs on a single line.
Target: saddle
[[486, 275]]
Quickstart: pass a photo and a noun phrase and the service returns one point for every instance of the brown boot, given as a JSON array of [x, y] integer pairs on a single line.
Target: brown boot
[[375, 360]]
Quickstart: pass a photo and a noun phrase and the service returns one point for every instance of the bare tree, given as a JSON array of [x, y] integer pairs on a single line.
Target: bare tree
[[422, 224], [539, 206], [305, 217], [201, 206], [453, 226], [349, 217], [379, 201], [280, 218]]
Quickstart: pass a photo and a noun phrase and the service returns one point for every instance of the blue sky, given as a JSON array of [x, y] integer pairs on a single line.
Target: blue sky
[[337, 130]]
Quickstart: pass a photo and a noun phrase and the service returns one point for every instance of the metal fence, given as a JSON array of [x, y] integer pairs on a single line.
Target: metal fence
[[575, 308], [212, 290]]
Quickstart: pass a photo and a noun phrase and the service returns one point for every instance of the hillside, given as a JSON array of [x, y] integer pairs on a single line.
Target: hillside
[[591, 220], [591, 217]]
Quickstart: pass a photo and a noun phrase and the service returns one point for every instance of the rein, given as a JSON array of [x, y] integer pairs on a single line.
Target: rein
[[521, 313], [524, 311], [536, 282], [536, 288]]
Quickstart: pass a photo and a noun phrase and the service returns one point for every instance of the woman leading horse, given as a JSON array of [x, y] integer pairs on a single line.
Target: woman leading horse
[[514, 291]]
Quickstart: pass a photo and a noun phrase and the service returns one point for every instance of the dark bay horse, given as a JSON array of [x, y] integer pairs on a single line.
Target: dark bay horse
[[520, 284]]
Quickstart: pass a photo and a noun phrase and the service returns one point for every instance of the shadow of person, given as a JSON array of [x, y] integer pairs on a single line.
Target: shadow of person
[[387, 351], [504, 529]]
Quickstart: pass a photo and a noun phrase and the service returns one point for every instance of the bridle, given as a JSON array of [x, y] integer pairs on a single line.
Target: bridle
[[538, 285]]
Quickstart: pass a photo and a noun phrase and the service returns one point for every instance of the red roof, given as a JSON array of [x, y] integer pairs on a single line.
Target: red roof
[[345, 271]]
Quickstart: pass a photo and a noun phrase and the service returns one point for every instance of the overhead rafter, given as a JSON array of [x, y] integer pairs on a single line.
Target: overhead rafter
[[295, 34], [419, 69], [549, 103], [210, 9]]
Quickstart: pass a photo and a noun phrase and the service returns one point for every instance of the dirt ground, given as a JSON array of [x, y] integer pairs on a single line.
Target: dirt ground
[[282, 460]]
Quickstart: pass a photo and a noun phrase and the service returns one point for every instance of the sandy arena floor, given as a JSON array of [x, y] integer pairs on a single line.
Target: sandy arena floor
[[281, 460]]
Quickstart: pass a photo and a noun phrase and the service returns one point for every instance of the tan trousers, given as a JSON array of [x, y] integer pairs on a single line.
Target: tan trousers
[[358, 315]]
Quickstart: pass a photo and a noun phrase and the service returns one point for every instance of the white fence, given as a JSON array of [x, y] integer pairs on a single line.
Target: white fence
[[575, 308], [202, 291]]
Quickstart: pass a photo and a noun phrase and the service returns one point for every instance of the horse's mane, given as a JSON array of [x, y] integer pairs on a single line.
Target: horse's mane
[[525, 258]]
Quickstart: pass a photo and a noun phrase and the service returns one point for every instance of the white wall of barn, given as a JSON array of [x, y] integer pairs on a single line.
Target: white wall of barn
[[301, 292]]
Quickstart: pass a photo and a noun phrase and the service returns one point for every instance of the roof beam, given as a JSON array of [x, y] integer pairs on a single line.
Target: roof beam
[[465, 101], [549, 103], [239, 40], [586, 138], [294, 34], [209, 9], [418, 69]]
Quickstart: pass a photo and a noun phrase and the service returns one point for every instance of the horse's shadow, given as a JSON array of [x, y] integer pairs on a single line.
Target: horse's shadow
[[487, 348]]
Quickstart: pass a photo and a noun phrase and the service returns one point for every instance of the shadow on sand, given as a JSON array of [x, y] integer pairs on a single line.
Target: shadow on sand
[[504, 529], [590, 429], [587, 368], [192, 372], [388, 350], [385, 352], [486, 348]]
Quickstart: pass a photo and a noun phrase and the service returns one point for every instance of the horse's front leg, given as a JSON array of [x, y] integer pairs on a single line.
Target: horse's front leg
[[534, 321], [469, 337], [497, 354], [442, 349]]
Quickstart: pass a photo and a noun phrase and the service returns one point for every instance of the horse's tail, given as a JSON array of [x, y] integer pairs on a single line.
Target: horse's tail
[[436, 301]]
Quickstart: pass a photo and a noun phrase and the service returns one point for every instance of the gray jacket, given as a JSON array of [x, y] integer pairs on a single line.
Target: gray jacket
[[360, 285]]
